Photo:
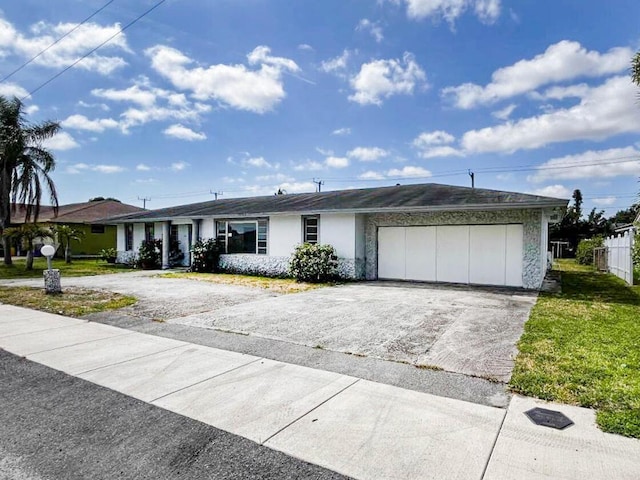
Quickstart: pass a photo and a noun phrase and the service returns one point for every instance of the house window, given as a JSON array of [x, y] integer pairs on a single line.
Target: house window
[[241, 237], [149, 232], [311, 229], [173, 235], [97, 228], [248, 236], [128, 236]]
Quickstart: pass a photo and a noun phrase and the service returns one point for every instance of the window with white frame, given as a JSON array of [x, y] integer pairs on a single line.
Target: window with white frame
[[128, 236], [242, 236], [310, 229]]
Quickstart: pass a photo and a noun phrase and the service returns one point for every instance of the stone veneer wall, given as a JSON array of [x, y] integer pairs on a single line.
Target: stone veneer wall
[[532, 270], [271, 266]]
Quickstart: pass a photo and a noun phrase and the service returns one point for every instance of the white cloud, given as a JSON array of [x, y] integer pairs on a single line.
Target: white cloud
[[102, 106], [380, 79], [604, 201], [367, 154], [278, 177], [152, 104], [606, 110], [337, 162], [259, 162], [562, 61], [323, 151], [84, 167], [337, 64], [235, 86], [179, 166], [342, 131], [183, 133], [409, 171], [555, 191], [80, 122], [141, 167], [12, 89], [373, 28], [560, 93], [60, 141], [487, 11], [305, 46], [371, 175], [297, 187], [435, 144], [596, 164], [308, 165], [31, 109], [504, 113], [67, 50]]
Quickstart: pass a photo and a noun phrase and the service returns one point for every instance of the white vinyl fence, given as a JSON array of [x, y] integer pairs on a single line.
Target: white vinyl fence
[[620, 255]]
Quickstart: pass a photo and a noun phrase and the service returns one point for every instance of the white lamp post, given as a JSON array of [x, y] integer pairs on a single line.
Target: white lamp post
[[51, 275]]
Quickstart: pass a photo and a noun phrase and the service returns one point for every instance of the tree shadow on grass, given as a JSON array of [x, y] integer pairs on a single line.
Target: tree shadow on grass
[[598, 287]]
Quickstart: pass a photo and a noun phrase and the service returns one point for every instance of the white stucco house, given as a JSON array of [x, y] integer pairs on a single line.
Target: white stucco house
[[425, 232]]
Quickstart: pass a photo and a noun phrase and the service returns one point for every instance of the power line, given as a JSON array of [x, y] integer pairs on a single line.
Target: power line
[[56, 42], [131, 23]]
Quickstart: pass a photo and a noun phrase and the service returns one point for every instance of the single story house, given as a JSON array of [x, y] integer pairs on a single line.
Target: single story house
[[425, 232], [84, 217]]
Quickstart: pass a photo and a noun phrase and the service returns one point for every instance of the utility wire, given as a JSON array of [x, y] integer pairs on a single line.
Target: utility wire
[[56, 42], [131, 23]]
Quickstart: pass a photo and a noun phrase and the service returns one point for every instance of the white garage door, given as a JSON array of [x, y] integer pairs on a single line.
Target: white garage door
[[478, 254]]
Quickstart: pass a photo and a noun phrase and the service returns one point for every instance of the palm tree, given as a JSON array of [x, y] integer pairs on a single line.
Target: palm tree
[[635, 69], [25, 165], [27, 234], [65, 235]]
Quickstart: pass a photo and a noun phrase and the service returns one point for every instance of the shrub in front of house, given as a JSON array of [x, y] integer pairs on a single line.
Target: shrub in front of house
[[109, 255], [584, 252], [150, 255], [314, 263], [206, 254]]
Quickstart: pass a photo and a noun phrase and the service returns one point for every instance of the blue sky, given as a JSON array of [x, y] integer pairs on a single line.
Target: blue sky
[[247, 96]]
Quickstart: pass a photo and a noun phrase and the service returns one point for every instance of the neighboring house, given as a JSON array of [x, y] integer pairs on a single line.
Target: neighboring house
[[425, 232], [83, 217]]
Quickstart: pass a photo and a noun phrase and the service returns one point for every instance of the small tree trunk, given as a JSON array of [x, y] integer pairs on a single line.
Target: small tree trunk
[[7, 250], [29, 259], [67, 252]]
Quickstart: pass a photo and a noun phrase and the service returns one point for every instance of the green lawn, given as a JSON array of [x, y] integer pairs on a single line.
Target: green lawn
[[77, 268], [280, 285], [582, 347], [73, 302]]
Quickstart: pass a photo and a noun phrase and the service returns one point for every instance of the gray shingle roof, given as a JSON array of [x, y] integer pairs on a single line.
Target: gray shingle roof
[[420, 197]]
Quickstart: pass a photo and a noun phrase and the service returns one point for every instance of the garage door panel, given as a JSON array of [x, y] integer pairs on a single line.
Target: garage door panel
[[391, 252], [514, 255], [452, 254], [487, 259], [420, 261]]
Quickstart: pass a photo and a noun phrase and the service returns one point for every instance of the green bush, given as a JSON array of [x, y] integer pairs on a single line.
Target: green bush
[[109, 255], [314, 263], [206, 254], [150, 255], [584, 252]]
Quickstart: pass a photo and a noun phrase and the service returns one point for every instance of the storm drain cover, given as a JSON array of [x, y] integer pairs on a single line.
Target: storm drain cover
[[549, 418]]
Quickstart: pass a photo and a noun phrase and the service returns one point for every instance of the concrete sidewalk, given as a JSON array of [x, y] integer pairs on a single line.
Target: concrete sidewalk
[[355, 427]]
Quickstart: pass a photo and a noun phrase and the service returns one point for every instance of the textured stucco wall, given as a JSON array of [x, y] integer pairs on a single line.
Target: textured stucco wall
[[272, 266], [532, 268]]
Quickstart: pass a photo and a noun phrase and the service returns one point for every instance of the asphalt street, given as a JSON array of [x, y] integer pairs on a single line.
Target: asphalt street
[[54, 426]]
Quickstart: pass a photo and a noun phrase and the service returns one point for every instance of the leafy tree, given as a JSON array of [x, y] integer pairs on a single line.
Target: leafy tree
[[65, 235], [25, 165], [27, 234]]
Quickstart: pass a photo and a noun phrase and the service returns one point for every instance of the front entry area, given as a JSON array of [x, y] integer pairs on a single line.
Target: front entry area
[[475, 254]]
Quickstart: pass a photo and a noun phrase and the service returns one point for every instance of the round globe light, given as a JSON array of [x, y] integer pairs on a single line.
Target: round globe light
[[48, 251]]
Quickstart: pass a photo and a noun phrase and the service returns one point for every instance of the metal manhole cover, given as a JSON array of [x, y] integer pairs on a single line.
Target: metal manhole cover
[[548, 418]]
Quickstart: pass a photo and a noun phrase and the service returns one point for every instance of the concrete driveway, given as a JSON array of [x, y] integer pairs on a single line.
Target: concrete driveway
[[455, 328], [459, 329]]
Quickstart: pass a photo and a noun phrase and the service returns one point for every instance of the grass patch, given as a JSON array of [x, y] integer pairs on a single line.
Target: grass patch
[[279, 285], [582, 347], [73, 302], [77, 268]]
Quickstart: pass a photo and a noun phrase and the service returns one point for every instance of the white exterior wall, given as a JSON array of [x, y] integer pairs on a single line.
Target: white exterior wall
[[339, 230], [207, 226], [157, 230], [138, 235], [120, 237], [285, 233]]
